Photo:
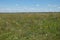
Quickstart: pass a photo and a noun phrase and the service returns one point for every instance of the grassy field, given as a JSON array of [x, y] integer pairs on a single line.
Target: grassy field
[[30, 26]]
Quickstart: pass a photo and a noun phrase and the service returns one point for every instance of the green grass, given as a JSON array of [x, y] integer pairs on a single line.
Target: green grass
[[43, 26]]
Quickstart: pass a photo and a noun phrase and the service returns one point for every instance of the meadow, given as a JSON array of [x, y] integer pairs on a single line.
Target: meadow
[[30, 26]]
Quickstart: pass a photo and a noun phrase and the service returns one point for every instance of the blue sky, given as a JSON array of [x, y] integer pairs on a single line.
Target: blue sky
[[29, 5]]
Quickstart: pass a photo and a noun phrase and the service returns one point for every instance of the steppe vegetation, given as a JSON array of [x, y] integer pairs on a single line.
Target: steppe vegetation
[[30, 26]]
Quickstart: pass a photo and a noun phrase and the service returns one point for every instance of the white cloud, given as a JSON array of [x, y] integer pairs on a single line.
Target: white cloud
[[30, 9], [53, 8], [17, 4], [51, 5], [59, 7], [37, 5]]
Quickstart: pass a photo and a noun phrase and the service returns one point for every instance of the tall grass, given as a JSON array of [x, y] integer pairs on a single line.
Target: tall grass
[[30, 26]]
